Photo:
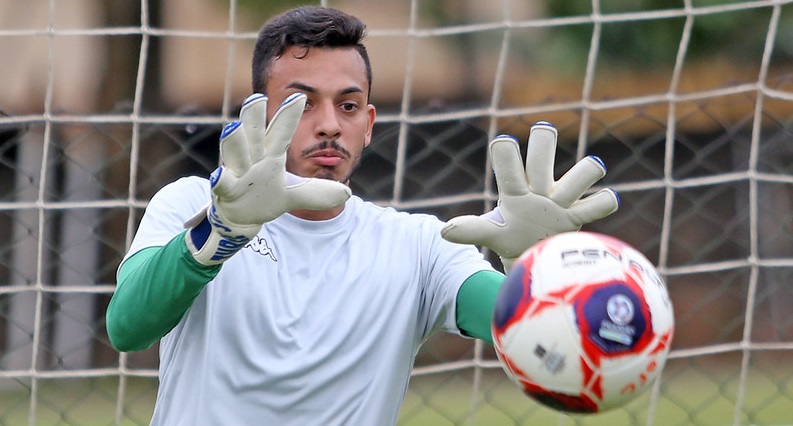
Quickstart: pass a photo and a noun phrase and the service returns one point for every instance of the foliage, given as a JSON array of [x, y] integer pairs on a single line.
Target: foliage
[[647, 43]]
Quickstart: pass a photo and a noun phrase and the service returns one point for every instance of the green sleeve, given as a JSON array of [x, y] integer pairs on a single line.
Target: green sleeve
[[476, 301], [155, 287]]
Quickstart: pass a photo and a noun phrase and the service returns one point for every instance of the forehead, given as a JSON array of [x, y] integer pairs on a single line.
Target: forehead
[[318, 67]]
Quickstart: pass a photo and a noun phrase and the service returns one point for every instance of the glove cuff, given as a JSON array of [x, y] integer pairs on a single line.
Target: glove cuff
[[211, 241]]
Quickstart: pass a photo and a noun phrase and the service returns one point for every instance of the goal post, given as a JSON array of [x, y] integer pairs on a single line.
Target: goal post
[[689, 104]]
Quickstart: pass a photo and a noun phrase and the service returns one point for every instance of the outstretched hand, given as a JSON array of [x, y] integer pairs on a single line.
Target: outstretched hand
[[531, 205], [252, 186]]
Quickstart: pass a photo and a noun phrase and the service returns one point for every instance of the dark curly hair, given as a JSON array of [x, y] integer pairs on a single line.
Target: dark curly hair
[[306, 26]]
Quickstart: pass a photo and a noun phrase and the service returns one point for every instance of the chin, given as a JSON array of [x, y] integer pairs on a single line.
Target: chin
[[326, 174]]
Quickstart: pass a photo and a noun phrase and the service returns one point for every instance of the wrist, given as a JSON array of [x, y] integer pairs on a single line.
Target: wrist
[[507, 262], [212, 241]]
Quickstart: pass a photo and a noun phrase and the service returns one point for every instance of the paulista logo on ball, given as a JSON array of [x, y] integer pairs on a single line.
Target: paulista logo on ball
[[620, 311]]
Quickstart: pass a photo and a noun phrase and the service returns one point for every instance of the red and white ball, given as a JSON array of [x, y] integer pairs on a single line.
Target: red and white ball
[[583, 322]]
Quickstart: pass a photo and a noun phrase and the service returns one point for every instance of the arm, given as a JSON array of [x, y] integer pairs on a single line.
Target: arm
[[531, 206], [252, 186], [156, 286], [476, 301]]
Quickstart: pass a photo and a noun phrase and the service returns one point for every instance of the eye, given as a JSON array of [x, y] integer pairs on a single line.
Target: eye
[[349, 106]]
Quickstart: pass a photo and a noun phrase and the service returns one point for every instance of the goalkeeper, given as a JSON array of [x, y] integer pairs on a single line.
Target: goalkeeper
[[280, 298]]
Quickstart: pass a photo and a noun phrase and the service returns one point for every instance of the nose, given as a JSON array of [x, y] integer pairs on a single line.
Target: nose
[[327, 123]]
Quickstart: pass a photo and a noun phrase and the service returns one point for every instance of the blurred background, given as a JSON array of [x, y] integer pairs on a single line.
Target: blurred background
[[689, 103]]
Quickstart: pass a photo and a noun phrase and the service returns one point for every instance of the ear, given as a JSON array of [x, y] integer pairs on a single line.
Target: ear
[[371, 113]]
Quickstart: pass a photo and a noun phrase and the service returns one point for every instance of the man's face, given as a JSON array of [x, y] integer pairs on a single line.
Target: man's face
[[337, 122]]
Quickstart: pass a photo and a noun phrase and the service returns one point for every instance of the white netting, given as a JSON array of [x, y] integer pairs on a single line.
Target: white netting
[[688, 102]]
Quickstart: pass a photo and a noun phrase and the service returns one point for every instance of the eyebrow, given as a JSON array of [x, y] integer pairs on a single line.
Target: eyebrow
[[309, 89]]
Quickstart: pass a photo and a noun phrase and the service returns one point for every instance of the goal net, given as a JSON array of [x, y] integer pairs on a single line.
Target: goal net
[[689, 103]]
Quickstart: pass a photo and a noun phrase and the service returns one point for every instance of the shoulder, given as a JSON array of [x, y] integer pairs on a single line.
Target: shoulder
[[190, 193], [168, 210], [176, 202], [185, 187]]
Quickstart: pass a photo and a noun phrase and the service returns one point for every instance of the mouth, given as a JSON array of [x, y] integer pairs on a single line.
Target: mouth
[[326, 157]]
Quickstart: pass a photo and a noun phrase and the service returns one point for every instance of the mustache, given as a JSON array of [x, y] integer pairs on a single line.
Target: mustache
[[327, 144]]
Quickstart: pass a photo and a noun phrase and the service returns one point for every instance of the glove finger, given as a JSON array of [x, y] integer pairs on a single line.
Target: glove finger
[[253, 116], [284, 123], [317, 194], [234, 153], [508, 166], [594, 207], [570, 187], [471, 230], [540, 158]]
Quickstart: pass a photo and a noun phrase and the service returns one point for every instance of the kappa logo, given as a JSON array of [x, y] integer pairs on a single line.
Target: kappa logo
[[259, 245]]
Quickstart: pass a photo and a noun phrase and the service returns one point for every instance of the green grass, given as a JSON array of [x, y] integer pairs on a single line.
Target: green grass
[[688, 398], [694, 392]]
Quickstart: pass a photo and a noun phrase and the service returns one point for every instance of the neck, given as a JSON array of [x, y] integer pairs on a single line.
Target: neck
[[318, 214]]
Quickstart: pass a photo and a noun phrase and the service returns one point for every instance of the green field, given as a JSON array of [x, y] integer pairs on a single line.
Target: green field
[[693, 393]]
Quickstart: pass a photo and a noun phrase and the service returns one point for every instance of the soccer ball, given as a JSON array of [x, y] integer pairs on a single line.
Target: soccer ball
[[583, 322]]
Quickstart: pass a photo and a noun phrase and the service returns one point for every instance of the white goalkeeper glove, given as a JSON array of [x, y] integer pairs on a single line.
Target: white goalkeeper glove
[[252, 186], [531, 205]]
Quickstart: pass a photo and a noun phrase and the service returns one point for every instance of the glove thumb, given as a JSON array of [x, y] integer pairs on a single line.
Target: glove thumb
[[224, 183], [476, 230], [596, 206], [315, 194]]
